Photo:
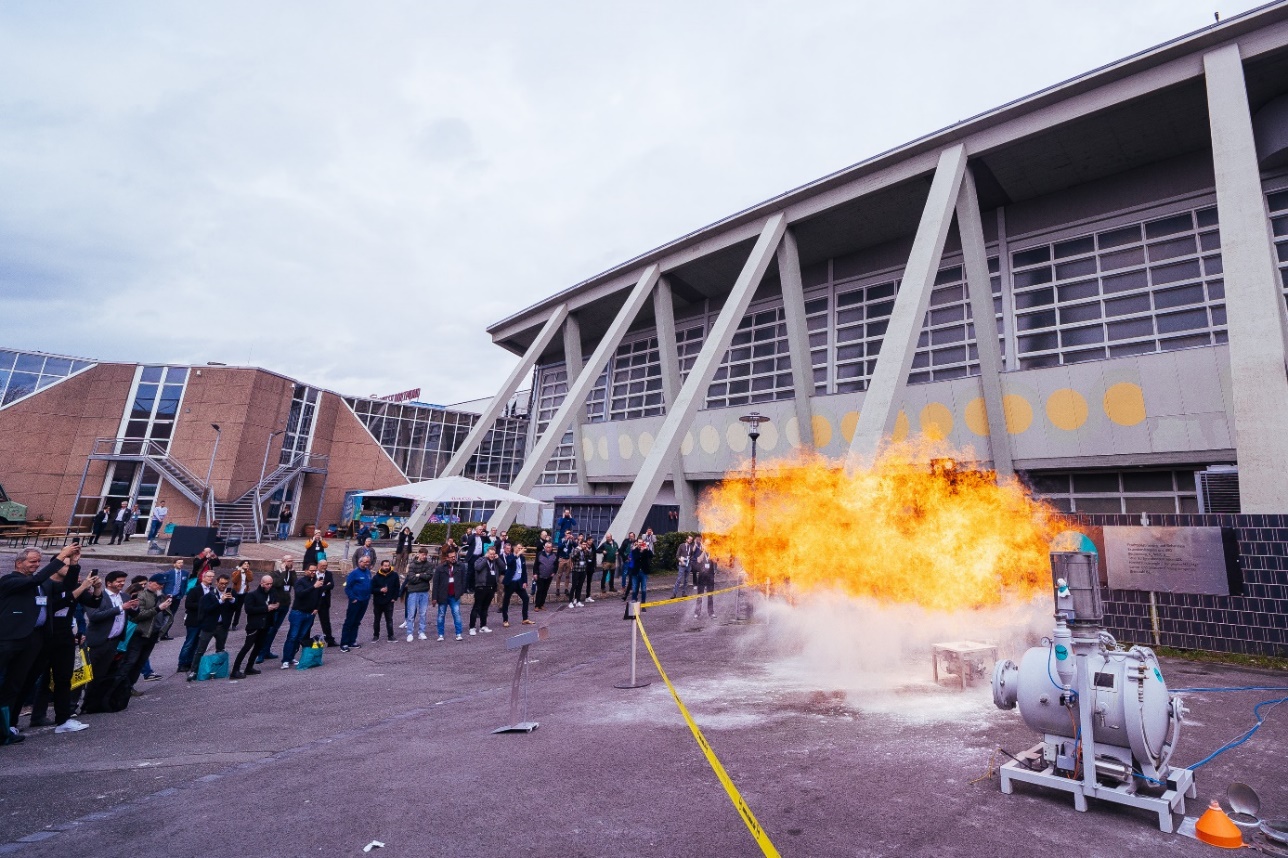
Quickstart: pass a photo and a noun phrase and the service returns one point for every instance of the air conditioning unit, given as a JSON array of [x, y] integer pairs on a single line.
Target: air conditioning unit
[[1218, 487]]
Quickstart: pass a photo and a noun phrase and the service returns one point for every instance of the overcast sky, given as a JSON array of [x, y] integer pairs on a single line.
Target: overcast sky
[[349, 193]]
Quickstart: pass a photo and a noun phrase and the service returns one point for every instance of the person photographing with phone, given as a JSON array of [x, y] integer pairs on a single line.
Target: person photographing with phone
[[106, 629]]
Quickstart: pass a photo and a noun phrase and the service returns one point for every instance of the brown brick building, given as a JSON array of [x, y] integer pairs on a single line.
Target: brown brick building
[[230, 444]]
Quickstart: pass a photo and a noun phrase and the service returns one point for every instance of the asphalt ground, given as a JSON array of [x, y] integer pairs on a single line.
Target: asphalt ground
[[392, 742]]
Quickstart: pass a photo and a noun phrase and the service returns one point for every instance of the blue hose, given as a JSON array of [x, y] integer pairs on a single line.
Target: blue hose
[[1256, 711]]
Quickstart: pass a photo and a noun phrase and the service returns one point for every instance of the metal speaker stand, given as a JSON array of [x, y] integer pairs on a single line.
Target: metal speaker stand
[[633, 611], [519, 722]]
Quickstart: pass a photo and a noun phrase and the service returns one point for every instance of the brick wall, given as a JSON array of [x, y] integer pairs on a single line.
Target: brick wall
[[1254, 623]]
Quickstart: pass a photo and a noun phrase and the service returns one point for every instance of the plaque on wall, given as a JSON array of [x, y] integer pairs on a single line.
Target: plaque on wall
[[1167, 559]]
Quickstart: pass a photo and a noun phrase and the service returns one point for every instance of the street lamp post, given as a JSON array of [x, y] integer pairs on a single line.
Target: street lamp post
[[753, 421], [210, 472]]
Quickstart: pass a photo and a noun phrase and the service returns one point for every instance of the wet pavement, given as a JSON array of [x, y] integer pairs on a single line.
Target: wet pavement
[[393, 742]]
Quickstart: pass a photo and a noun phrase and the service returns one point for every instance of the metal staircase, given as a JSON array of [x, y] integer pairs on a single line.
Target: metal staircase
[[248, 510], [157, 456]]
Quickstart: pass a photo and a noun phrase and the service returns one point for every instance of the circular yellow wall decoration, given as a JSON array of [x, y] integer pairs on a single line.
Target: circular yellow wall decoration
[[822, 431], [901, 427], [849, 421], [646, 443], [1066, 409], [736, 435], [1125, 403], [709, 438], [625, 446], [588, 448], [792, 432], [936, 421], [1018, 412], [602, 448], [976, 417], [686, 446], [768, 436]]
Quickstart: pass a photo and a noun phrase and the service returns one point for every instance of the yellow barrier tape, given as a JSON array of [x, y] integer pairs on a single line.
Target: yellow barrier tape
[[749, 818], [691, 598]]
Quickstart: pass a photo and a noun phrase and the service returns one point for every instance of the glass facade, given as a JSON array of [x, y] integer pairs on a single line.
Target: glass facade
[[23, 373], [421, 439], [154, 408], [636, 372], [1148, 286], [299, 423], [1161, 491], [757, 367], [1278, 204], [550, 389]]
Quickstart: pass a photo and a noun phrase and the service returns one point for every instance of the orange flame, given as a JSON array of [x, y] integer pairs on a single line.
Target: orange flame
[[897, 530]]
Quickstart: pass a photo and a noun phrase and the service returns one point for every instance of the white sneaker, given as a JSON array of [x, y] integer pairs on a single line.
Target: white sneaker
[[485, 630], [403, 624], [286, 665], [71, 725], [422, 637], [458, 637], [440, 638], [411, 638], [472, 633], [588, 599]]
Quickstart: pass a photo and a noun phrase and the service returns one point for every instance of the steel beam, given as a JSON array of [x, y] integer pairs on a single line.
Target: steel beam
[[575, 400], [573, 366], [975, 256], [789, 272], [669, 357], [881, 402], [1253, 298], [523, 370], [693, 392]]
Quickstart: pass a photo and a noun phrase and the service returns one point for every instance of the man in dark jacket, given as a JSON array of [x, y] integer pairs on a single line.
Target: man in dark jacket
[[259, 605], [324, 602], [214, 614], [283, 582], [308, 595], [420, 577], [24, 611], [704, 568], [149, 618], [516, 581], [57, 657], [488, 570], [385, 587], [449, 583], [547, 564], [106, 629], [191, 618]]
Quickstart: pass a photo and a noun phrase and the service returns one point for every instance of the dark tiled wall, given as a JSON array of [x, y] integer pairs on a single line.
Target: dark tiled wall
[[1255, 623]]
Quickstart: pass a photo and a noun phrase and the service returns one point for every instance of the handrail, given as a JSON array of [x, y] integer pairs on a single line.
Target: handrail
[[150, 449]]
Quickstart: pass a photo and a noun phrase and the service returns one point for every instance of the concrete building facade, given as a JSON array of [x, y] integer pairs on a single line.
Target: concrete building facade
[[1083, 286]]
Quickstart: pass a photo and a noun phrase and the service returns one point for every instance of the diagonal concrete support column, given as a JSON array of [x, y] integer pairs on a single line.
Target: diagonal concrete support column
[[669, 358], [573, 366], [693, 393], [789, 272], [523, 370], [880, 403], [975, 254], [1254, 305], [575, 401]]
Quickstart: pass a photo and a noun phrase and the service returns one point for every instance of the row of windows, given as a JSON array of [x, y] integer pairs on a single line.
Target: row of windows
[[299, 423], [548, 394], [1278, 203], [1163, 491], [23, 373], [422, 439], [1150, 286]]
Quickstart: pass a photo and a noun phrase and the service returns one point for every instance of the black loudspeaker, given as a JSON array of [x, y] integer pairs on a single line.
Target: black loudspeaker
[[189, 541]]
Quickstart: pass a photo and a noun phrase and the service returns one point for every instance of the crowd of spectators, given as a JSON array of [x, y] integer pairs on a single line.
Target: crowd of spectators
[[53, 621]]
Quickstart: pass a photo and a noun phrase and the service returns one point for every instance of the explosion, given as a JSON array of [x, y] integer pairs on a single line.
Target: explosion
[[895, 531]]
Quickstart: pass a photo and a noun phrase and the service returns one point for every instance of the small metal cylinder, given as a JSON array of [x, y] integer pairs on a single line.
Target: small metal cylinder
[[1080, 572]]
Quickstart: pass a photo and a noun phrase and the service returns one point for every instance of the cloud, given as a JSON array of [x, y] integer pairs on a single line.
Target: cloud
[[349, 194]]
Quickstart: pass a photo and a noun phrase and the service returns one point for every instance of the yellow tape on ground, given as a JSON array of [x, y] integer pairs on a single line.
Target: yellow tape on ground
[[749, 818], [691, 598]]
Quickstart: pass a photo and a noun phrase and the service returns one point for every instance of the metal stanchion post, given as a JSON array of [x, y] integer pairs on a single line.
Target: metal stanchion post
[[633, 611]]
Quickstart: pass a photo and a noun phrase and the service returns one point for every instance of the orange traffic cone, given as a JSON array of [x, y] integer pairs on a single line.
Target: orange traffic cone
[[1215, 827]]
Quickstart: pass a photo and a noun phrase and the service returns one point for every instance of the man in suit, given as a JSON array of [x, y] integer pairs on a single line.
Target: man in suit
[[106, 629], [119, 521], [51, 675], [214, 613], [192, 618], [283, 582], [176, 580], [24, 611]]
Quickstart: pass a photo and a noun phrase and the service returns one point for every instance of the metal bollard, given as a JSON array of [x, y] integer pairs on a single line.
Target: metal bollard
[[633, 611]]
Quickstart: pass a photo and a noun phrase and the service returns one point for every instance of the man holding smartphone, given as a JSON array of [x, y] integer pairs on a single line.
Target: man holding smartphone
[[106, 629]]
